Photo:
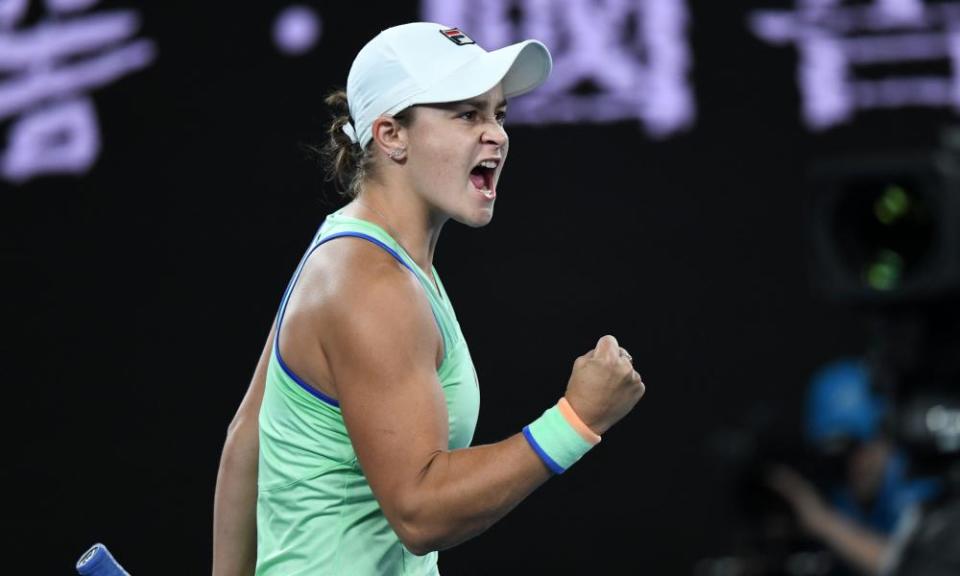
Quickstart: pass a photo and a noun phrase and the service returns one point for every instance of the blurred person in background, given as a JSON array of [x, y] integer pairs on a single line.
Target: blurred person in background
[[858, 517]]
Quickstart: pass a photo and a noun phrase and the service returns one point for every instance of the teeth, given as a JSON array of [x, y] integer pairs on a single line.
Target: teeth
[[489, 164]]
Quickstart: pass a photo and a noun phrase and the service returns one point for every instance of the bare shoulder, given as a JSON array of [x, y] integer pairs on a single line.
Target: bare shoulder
[[372, 287], [356, 304], [350, 273]]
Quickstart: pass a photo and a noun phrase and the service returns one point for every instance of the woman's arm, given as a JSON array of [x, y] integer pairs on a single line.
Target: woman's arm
[[235, 501], [380, 341]]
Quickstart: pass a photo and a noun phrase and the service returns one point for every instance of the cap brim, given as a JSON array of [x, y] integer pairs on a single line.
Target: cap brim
[[521, 67]]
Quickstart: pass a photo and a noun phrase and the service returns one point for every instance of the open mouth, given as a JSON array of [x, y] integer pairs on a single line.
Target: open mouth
[[482, 176]]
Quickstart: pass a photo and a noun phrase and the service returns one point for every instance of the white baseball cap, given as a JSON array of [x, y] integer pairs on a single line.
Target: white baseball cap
[[429, 63]]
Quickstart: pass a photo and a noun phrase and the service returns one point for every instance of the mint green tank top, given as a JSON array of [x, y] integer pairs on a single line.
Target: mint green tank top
[[316, 513]]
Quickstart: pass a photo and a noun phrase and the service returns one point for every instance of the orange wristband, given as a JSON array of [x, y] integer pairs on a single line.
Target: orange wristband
[[574, 420]]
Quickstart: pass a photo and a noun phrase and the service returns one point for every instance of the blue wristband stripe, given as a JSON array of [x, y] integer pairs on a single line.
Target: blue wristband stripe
[[550, 462]]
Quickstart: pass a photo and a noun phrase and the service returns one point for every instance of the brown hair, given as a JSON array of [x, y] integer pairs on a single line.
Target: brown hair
[[346, 164]]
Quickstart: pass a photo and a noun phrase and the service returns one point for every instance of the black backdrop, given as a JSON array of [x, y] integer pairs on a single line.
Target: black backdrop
[[139, 294]]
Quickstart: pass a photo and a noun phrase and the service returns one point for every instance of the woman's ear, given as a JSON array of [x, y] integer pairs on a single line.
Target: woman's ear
[[389, 137]]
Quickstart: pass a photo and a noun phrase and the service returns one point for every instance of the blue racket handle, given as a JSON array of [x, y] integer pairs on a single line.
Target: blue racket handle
[[97, 561]]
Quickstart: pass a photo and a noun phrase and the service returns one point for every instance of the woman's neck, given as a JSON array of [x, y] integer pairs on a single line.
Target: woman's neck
[[407, 220]]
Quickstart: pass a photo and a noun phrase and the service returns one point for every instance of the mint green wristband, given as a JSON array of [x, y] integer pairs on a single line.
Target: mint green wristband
[[555, 441]]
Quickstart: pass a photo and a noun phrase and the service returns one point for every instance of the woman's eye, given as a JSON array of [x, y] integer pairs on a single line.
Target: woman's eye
[[501, 117], [469, 115]]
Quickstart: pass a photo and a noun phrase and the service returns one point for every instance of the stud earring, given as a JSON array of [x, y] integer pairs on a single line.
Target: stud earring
[[397, 153]]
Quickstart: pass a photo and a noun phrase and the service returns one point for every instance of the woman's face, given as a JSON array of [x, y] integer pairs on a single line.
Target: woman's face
[[455, 155]]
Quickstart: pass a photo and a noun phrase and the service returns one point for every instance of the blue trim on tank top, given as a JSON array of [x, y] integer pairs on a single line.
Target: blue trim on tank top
[[286, 296]]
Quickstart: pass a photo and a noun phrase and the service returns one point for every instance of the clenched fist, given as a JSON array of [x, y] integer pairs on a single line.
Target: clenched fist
[[603, 386]]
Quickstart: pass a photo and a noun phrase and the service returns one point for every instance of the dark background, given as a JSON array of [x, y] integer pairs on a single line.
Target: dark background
[[138, 296]]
